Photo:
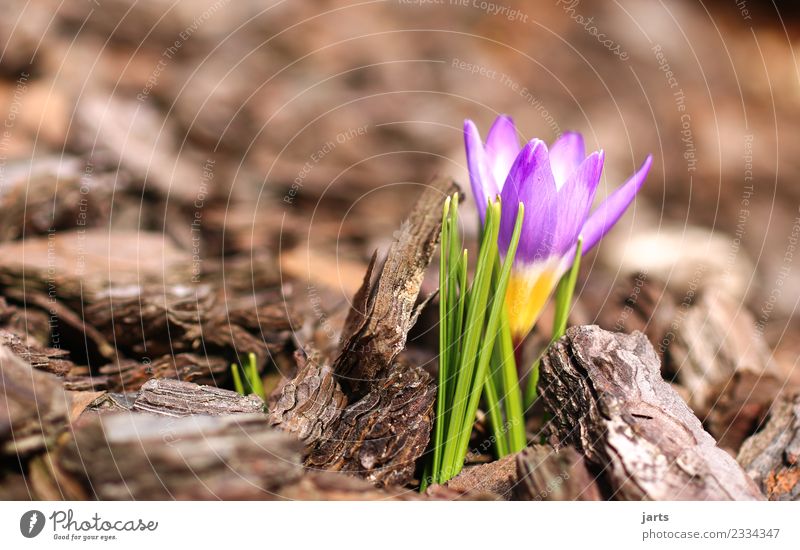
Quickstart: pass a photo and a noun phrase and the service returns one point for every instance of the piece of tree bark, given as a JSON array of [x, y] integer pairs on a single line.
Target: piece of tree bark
[[50, 194], [371, 414], [80, 401], [128, 375], [311, 402], [52, 360], [202, 457], [34, 325], [77, 265], [772, 456], [33, 406], [726, 366], [497, 478], [14, 486], [381, 435], [106, 403], [138, 456], [638, 302], [66, 326], [608, 399], [196, 320], [332, 486], [385, 309], [544, 473], [175, 398]]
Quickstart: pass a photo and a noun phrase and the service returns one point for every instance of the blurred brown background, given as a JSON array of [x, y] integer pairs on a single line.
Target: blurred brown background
[[303, 130]]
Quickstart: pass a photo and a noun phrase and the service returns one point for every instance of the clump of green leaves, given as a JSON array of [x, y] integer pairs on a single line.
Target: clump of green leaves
[[246, 379], [471, 321], [476, 349]]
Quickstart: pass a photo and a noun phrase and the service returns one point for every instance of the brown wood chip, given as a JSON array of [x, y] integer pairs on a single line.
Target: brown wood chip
[[772, 456], [496, 478], [175, 398], [33, 406], [149, 457], [385, 309], [726, 367], [608, 399], [381, 435], [371, 414], [545, 473]]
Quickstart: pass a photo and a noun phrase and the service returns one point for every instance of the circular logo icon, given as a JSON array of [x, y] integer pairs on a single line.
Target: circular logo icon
[[31, 523]]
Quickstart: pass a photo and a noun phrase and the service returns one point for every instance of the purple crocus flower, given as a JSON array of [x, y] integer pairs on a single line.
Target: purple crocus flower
[[557, 187]]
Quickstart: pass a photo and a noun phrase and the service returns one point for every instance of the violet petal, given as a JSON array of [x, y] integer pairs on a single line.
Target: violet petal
[[530, 181], [566, 154]]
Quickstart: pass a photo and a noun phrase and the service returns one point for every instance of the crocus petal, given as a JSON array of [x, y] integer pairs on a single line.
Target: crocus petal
[[609, 212], [566, 154], [502, 148], [530, 182], [481, 179], [575, 200]]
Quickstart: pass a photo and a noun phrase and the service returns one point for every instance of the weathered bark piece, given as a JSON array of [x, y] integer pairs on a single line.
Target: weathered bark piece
[[50, 360], [65, 324], [68, 477], [49, 194], [75, 265], [638, 302], [445, 492], [33, 324], [196, 320], [63, 272], [128, 375], [496, 478], [114, 402], [146, 457], [332, 486], [175, 398], [135, 318], [384, 310], [139, 139], [772, 456], [372, 415], [547, 474], [106, 403], [80, 401], [608, 399], [14, 486], [726, 366], [33, 406], [311, 402], [380, 436]]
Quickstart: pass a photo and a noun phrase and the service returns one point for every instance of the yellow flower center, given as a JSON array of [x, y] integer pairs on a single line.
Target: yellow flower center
[[525, 298]]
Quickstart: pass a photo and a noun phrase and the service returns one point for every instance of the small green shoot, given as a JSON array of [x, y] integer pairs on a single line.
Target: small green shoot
[[246, 379]]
